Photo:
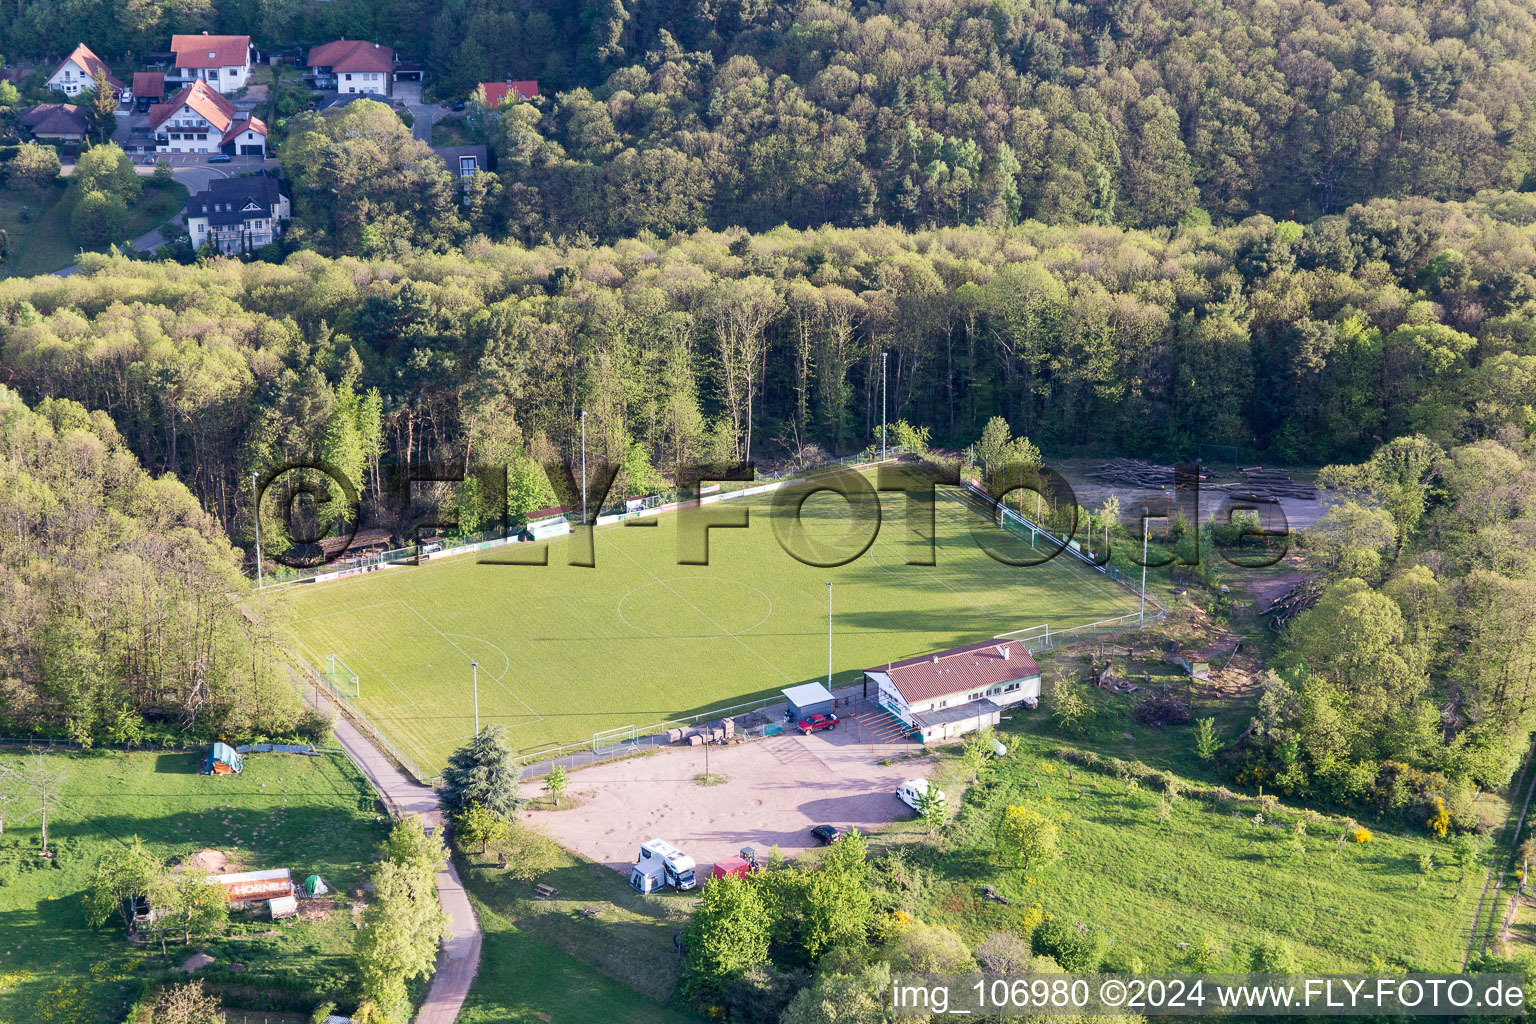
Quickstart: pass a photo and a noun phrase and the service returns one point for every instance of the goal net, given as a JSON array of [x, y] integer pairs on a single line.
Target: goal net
[[342, 679], [612, 737]]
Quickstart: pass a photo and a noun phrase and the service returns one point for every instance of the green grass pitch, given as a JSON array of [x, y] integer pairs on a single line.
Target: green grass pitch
[[565, 651]]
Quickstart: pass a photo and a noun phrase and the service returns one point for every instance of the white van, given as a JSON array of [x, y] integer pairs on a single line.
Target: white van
[[911, 791]]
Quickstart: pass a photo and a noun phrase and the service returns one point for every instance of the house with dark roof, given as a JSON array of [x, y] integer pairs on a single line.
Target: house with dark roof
[[57, 122], [495, 92], [78, 73], [199, 120], [223, 62], [148, 89], [463, 161], [949, 693], [353, 66], [237, 214]]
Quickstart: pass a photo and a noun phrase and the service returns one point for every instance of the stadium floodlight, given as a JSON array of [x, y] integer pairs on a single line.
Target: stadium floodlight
[[829, 637]]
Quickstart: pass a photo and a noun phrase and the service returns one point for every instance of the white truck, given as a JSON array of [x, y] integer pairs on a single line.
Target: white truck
[[911, 792], [662, 864]]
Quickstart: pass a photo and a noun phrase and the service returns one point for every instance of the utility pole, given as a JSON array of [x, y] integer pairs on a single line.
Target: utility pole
[[829, 637], [474, 667], [883, 446], [583, 467], [256, 518], [1146, 530]]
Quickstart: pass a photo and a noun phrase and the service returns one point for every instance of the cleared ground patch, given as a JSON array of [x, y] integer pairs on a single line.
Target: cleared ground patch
[[565, 651]]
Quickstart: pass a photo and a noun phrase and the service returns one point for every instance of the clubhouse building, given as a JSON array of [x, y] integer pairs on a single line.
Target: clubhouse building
[[949, 693]]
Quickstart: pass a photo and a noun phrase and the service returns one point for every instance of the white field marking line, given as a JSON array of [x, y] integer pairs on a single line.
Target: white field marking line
[[711, 579], [690, 604], [467, 657], [409, 703], [506, 661]]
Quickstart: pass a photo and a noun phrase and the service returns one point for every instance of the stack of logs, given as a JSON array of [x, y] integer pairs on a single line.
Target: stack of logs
[[1136, 473], [1292, 603], [1271, 485]]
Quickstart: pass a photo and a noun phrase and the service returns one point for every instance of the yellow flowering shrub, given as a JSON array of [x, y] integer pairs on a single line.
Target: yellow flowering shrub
[[1361, 834]]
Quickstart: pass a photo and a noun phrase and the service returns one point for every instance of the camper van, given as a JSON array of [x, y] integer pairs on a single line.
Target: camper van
[[911, 791], [677, 865]]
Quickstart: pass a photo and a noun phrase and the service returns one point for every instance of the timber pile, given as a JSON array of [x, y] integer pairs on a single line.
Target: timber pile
[[1136, 473], [1271, 485], [1292, 603], [1163, 709]]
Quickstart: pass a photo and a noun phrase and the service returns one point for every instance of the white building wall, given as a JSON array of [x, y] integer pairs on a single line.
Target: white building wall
[[70, 80], [372, 82]]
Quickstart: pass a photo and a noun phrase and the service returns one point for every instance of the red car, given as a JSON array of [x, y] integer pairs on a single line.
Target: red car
[[815, 722]]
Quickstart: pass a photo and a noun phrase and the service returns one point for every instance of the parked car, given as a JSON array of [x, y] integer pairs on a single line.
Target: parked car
[[816, 722], [459, 105], [828, 834], [220, 158]]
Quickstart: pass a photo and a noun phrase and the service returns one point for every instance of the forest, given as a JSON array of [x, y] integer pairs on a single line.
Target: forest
[[753, 113], [1317, 343]]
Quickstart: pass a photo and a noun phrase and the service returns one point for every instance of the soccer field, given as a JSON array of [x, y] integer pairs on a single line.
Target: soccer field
[[565, 651]]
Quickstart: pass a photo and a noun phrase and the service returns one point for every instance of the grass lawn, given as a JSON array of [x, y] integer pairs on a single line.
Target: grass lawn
[[309, 814], [44, 245], [1209, 869], [565, 651], [454, 130], [571, 968]]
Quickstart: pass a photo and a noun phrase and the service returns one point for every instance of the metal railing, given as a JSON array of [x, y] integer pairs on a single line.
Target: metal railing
[[641, 733], [361, 719]]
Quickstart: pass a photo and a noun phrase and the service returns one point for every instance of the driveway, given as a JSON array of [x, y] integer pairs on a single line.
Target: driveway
[[776, 789], [425, 114], [459, 958]]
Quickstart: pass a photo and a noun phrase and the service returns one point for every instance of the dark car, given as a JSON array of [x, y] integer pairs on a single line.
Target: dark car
[[828, 834], [816, 722], [459, 105], [220, 158]]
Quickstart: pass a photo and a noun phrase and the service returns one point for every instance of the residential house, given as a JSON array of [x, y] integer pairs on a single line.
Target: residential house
[[148, 88], [353, 66], [949, 693], [224, 62], [238, 214], [463, 161], [495, 92], [57, 122], [78, 73], [199, 120]]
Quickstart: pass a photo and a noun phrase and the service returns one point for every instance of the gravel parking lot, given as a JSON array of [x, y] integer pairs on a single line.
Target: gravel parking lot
[[776, 790]]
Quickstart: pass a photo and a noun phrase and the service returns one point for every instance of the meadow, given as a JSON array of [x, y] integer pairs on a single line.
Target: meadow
[[1154, 878], [314, 815], [565, 651]]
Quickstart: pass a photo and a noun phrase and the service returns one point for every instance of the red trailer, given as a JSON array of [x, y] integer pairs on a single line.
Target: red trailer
[[731, 867]]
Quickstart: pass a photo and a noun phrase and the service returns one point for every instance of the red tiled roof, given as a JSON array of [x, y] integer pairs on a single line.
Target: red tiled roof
[[202, 99], [205, 51], [958, 669], [88, 62], [494, 91], [148, 83], [352, 55], [254, 124]]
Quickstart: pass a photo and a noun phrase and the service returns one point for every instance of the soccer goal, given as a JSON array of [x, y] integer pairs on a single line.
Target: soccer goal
[[342, 679], [613, 737]]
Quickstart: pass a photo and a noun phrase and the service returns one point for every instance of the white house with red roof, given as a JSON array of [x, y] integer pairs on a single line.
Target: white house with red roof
[[78, 73], [199, 120], [949, 693], [224, 62], [353, 66], [495, 92]]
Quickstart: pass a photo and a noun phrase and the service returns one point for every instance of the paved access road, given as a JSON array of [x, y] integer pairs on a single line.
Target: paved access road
[[460, 956]]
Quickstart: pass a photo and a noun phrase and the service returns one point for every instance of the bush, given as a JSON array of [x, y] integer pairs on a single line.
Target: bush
[[98, 218], [1361, 834], [1077, 948]]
